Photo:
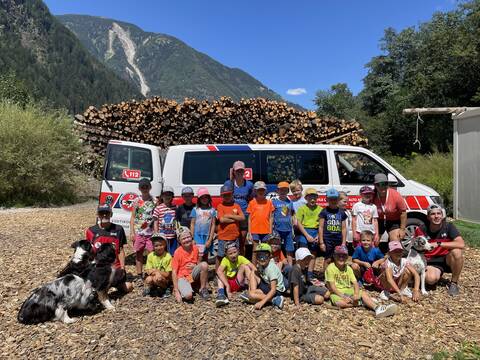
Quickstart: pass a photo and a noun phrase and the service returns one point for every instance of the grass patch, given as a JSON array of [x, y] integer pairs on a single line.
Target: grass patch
[[467, 351], [470, 232]]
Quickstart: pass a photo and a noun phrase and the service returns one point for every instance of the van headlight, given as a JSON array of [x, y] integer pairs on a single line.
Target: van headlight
[[437, 200]]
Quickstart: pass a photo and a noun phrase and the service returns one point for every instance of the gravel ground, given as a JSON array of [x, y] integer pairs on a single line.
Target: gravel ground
[[34, 245]]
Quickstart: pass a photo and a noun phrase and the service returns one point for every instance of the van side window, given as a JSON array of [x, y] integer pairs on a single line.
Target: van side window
[[356, 168], [128, 163]]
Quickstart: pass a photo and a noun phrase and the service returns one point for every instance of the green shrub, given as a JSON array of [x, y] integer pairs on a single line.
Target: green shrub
[[37, 155], [467, 351], [434, 170]]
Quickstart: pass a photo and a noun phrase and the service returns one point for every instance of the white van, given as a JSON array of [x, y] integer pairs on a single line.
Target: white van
[[347, 168]]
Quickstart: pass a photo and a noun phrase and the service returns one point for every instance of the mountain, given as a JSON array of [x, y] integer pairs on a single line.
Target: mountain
[[160, 64], [52, 62]]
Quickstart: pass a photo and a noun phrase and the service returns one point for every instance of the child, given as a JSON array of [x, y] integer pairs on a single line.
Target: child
[[260, 216], [265, 284], [158, 267], [187, 270], [299, 291], [275, 241], [282, 219], [307, 218], [233, 274], [344, 289], [366, 256], [164, 218], [202, 224], [297, 199], [332, 227], [141, 223], [182, 213], [397, 272], [229, 216], [365, 216]]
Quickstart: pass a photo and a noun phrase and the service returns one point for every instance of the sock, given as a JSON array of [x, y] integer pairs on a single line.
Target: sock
[[221, 292]]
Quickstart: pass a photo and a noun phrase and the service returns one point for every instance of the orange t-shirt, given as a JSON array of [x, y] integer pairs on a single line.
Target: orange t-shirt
[[181, 258], [228, 231], [392, 208], [278, 256], [260, 212]]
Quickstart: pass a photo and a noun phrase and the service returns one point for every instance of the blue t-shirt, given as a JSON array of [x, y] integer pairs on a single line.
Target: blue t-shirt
[[372, 255], [332, 228], [242, 194], [203, 220], [297, 203], [282, 216]]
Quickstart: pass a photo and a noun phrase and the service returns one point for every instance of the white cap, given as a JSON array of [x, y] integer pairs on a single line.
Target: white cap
[[392, 179], [302, 253]]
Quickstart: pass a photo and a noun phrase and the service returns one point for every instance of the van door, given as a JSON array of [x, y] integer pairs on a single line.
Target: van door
[[125, 164]]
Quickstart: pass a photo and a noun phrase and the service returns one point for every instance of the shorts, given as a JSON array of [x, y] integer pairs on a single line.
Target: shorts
[[265, 287], [184, 286], [312, 291], [244, 224], [142, 242], [330, 247], [286, 274], [234, 285], [172, 245], [387, 226], [200, 241], [259, 237], [223, 243], [312, 246], [287, 241], [349, 292], [440, 262]]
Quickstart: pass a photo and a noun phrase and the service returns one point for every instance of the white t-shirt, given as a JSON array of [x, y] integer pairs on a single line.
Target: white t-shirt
[[365, 214], [397, 270]]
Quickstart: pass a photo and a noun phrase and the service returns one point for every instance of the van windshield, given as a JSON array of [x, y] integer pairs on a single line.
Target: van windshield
[[128, 163]]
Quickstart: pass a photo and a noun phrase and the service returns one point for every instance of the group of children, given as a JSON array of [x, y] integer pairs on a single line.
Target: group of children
[[287, 235]]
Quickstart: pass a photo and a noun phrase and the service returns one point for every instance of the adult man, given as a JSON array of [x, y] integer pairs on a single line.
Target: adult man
[[447, 254]]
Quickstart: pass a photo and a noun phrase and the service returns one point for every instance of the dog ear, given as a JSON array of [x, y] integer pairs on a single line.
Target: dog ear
[[74, 244]]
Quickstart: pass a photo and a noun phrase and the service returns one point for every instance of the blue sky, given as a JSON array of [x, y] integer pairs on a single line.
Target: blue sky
[[298, 45]]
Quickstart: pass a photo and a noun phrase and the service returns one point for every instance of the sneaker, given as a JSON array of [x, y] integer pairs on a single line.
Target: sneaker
[[384, 295], [453, 289], [147, 292], [382, 311], [166, 294], [221, 300], [204, 294], [244, 297], [407, 292], [277, 301]]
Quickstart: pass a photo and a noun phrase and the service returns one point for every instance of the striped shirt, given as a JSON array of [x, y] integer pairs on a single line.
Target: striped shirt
[[167, 224]]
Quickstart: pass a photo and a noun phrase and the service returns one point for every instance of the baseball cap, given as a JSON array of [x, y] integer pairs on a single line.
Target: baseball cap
[[366, 190], [332, 193], [263, 247], [167, 189], [283, 184], [380, 178], [260, 185], [144, 182], [226, 189], [310, 191], [158, 236], [394, 245], [433, 207], [103, 208], [187, 190], [273, 236], [341, 250], [302, 253], [231, 245], [202, 191], [237, 165], [392, 179]]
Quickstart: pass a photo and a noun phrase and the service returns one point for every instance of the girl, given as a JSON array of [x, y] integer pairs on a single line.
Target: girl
[[365, 216], [202, 225], [164, 218]]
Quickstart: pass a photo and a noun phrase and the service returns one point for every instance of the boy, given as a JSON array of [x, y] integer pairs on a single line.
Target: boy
[[233, 274], [332, 229], [141, 224], [365, 216], [297, 199], [366, 256], [229, 215], [397, 273], [344, 289], [280, 260], [307, 223], [182, 213], [158, 268], [187, 270], [282, 219], [260, 216], [299, 291], [265, 284], [164, 218]]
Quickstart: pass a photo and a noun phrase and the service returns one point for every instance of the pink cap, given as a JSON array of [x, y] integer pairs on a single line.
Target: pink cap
[[238, 165], [202, 191], [394, 245]]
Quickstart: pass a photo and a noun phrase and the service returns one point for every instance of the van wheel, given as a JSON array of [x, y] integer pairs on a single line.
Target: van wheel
[[412, 225]]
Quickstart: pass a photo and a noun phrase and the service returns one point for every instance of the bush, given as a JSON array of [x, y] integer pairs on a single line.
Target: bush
[[434, 170], [36, 161]]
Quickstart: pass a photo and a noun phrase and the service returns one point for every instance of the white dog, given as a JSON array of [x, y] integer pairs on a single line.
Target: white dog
[[416, 258]]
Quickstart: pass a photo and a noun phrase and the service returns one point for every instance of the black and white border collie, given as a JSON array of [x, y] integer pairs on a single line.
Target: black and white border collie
[[81, 259]]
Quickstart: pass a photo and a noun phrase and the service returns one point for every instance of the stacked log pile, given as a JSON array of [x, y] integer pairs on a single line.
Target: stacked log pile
[[164, 123]]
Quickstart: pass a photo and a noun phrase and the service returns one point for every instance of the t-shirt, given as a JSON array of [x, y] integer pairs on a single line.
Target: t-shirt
[[296, 277], [260, 211], [448, 232], [167, 224], [231, 268], [162, 263], [272, 272], [181, 258], [203, 220], [297, 203], [143, 216], [343, 279], [228, 231], [182, 214], [373, 254], [397, 270], [113, 234], [393, 207], [278, 256], [365, 214], [308, 217], [282, 216], [241, 194], [332, 227]]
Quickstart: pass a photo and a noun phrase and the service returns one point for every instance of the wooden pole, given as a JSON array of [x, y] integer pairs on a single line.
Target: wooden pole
[[437, 111]]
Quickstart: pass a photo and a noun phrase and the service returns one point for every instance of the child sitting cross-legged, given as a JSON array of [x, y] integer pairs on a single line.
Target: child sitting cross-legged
[[344, 289], [233, 274], [265, 284], [158, 268], [366, 258]]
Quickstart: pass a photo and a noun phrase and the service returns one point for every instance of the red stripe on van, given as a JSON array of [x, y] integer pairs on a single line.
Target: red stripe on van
[[212, 148], [423, 202], [412, 203]]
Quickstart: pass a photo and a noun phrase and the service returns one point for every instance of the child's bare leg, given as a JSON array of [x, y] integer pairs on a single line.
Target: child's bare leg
[[203, 275], [218, 259], [243, 274], [254, 254], [256, 295], [357, 270], [139, 262], [342, 304], [160, 281], [326, 262], [290, 258], [318, 300], [367, 301], [404, 279], [311, 264]]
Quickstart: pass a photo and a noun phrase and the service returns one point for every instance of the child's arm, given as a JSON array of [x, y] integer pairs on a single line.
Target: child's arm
[[344, 232], [321, 224], [271, 222], [192, 225], [392, 284], [296, 294], [132, 225], [226, 220], [210, 234], [238, 217], [416, 283], [365, 264], [269, 296], [249, 231], [121, 257], [376, 237], [356, 236], [377, 263]]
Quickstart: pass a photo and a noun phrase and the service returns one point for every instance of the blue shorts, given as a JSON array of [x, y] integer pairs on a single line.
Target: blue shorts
[[201, 240], [330, 247], [223, 243], [287, 240], [312, 246], [259, 237], [265, 288]]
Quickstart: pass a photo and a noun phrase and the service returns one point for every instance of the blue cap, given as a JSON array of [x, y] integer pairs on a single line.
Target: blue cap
[[187, 190], [226, 189], [332, 193]]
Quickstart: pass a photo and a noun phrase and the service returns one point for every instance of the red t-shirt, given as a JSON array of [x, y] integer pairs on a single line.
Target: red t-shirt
[[393, 206], [114, 234], [448, 232], [181, 258]]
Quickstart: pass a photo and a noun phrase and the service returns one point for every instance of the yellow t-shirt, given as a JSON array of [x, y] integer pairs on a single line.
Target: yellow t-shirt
[[162, 263], [307, 217], [343, 280], [231, 269]]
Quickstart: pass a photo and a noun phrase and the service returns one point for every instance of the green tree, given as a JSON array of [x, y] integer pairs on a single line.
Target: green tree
[[338, 101]]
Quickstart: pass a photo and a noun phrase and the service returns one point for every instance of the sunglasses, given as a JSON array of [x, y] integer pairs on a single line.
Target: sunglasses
[[263, 256]]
